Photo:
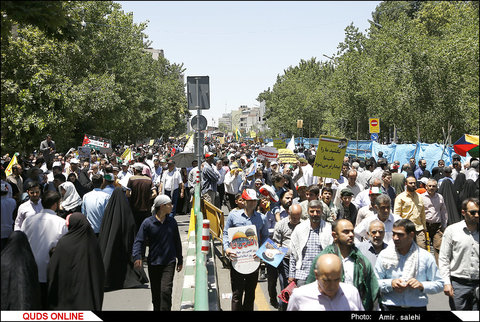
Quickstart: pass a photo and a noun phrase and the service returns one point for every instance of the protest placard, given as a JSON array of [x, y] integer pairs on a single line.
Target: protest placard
[[267, 153], [244, 242], [270, 253], [329, 157], [279, 143], [287, 156]]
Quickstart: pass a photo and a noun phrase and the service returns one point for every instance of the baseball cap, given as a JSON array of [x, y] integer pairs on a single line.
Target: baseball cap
[[249, 194], [209, 154], [346, 192], [374, 190], [109, 177], [74, 160], [268, 191]]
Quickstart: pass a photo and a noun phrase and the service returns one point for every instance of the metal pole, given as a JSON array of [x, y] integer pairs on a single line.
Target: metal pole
[[199, 140]]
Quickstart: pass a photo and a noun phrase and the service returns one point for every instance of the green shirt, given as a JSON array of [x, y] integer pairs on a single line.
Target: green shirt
[[364, 278]]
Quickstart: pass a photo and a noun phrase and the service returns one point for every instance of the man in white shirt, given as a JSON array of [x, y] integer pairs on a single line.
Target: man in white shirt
[[327, 293], [43, 231], [352, 184], [233, 180], [171, 185], [31, 206], [384, 214], [459, 259]]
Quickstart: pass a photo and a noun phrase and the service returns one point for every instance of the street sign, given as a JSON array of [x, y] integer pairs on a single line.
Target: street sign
[[299, 124], [203, 123], [198, 92], [374, 136], [374, 124]]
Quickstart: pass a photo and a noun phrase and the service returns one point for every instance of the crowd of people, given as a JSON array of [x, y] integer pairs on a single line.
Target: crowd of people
[[380, 237]]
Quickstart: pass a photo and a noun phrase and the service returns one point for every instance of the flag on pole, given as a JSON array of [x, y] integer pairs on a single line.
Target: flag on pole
[[291, 144], [238, 134], [189, 147], [9, 171], [127, 155]]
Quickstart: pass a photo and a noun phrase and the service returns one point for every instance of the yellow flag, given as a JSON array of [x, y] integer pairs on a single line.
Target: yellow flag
[[127, 155], [8, 171]]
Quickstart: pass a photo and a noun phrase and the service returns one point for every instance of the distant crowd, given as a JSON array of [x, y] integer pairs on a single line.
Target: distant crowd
[[381, 236]]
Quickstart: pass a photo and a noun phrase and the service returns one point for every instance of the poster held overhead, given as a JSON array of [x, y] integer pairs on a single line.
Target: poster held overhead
[[329, 158]]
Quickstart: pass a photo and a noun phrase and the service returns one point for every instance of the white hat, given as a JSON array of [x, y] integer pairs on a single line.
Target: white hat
[[249, 194], [268, 191], [74, 160], [138, 166]]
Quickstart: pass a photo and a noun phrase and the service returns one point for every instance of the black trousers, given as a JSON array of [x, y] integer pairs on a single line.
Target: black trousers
[[161, 285], [243, 290]]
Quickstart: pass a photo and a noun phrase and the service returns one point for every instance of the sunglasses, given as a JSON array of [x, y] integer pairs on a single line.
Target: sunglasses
[[473, 212]]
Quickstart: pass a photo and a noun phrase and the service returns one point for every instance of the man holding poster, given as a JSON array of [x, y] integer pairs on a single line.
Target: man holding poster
[[244, 231]]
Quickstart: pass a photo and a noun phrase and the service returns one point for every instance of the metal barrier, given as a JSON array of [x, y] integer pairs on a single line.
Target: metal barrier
[[201, 285], [216, 218], [197, 293]]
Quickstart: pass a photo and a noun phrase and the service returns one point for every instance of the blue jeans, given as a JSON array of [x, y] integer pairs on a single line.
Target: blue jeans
[[174, 196]]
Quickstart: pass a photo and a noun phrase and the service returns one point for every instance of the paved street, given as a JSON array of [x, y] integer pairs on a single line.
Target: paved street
[[140, 299]]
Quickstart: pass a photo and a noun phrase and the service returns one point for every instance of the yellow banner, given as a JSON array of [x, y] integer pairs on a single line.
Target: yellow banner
[[279, 144], [287, 156], [8, 170], [329, 157]]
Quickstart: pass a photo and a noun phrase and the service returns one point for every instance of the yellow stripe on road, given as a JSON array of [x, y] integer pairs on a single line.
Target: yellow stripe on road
[[260, 299]]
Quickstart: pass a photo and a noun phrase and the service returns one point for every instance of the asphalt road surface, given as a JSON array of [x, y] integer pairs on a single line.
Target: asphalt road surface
[[139, 299]]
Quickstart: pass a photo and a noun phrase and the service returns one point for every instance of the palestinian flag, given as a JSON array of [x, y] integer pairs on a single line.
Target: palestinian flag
[[98, 143]]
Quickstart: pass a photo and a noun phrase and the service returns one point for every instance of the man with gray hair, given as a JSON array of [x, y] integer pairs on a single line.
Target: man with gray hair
[[308, 239], [472, 172], [375, 243], [165, 251], [383, 212], [436, 215]]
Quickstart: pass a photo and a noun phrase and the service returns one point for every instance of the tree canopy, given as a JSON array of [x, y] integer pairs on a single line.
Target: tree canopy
[[96, 78], [416, 68]]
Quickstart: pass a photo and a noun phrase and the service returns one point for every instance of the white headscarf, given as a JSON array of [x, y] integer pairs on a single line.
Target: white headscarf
[[71, 199]]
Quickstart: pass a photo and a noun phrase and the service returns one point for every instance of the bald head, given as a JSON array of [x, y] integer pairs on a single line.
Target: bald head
[[328, 263], [295, 213], [328, 273]]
